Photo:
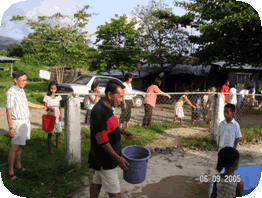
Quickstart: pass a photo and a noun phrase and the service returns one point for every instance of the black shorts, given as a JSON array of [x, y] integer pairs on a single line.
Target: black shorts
[[195, 115]]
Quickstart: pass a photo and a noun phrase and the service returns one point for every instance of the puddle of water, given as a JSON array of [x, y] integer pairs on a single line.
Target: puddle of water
[[175, 187]]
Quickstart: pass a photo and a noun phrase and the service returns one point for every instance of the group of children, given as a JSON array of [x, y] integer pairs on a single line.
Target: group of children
[[228, 132], [199, 102]]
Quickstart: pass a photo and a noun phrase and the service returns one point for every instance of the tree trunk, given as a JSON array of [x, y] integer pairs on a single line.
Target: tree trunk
[[62, 73], [57, 76], [75, 74]]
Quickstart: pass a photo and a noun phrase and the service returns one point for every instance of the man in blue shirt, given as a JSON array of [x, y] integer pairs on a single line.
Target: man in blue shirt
[[253, 90]]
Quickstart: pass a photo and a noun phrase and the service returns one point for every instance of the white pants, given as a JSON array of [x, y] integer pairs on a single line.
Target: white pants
[[22, 131], [253, 94], [109, 180]]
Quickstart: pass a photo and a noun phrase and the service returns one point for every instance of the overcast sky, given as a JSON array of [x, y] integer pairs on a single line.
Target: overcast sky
[[106, 9]]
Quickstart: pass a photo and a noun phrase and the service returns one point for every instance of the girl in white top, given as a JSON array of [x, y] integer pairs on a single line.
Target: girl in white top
[[92, 101], [52, 102], [128, 101], [232, 98]]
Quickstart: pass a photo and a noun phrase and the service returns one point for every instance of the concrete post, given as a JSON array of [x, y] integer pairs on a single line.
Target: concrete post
[[73, 129], [217, 114]]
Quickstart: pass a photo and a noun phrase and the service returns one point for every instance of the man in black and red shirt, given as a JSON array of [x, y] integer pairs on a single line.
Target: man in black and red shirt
[[105, 152]]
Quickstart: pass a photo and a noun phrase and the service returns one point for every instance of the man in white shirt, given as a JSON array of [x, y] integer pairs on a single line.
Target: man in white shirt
[[18, 120], [128, 101], [233, 96], [243, 97]]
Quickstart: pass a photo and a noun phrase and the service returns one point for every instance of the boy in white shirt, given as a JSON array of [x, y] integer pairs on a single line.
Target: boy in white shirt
[[232, 99], [228, 131]]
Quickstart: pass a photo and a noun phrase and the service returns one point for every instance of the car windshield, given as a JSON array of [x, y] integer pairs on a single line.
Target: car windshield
[[82, 80]]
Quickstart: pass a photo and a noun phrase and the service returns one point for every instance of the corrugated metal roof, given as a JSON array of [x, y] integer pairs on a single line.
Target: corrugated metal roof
[[245, 66], [198, 70], [7, 59]]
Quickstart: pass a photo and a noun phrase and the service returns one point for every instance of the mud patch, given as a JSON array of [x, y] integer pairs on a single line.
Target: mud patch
[[180, 186]]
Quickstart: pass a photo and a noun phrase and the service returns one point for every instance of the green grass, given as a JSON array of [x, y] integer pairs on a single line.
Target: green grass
[[248, 134], [199, 142], [52, 174], [201, 124]]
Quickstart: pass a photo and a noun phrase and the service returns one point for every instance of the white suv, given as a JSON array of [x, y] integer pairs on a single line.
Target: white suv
[[82, 85]]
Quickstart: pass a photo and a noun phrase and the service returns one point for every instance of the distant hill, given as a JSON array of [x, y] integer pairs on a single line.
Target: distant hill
[[6, 41]]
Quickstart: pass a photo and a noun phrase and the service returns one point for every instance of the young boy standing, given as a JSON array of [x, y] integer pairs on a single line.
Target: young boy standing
[[228, 131], [229, 158], [195, 111], [210, 104], [205, 98]]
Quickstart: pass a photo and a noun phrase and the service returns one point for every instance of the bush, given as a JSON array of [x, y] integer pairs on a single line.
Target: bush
[[5, 76], [3, 53], [30, 59]]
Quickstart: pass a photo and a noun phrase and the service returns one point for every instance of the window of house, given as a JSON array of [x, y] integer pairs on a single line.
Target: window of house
[[242, 78]]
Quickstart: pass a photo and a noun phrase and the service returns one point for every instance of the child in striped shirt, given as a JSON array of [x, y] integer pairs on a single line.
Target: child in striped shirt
[[224, 188], [52, 102]]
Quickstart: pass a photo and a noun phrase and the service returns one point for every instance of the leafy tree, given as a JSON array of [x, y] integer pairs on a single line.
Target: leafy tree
[[161, 41], [3, 53], [119, 47], [231, 31], [28, 46], [59, 45], [15, 50]]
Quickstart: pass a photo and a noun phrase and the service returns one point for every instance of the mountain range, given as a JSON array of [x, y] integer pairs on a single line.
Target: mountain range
[[6, 41]]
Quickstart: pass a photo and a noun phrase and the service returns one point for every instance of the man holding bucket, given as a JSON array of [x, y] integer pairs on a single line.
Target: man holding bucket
[[105, 152], [18, 120]]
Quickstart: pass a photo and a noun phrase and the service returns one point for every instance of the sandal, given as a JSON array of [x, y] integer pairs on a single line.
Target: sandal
[[13, 175]]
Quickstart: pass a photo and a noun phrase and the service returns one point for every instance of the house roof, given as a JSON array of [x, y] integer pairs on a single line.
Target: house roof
[[4, 59], [245, 66], [198, 70]]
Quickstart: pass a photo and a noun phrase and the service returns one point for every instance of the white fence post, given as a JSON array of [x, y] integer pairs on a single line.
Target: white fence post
[[217, 113], [73, 129]]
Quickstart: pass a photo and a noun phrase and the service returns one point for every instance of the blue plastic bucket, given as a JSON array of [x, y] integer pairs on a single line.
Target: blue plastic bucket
[[137, 157], [250, 175]]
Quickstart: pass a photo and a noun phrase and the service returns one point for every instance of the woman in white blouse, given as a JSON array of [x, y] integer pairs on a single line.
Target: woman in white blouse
[[232, 98], [127, 101]]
